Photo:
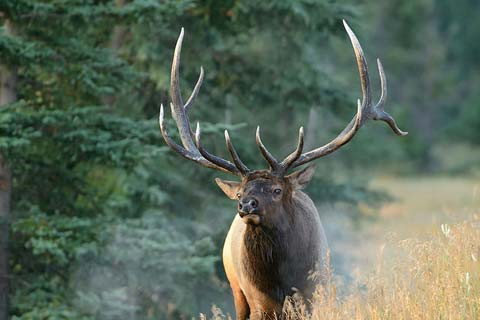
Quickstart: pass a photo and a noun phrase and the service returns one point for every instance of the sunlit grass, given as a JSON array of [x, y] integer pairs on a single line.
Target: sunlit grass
[[436, 278]]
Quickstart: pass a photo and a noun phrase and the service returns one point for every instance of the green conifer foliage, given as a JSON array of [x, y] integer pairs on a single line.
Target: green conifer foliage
[[107, 222]]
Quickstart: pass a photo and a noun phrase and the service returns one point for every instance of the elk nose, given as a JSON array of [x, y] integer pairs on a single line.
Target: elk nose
[[247, 205]]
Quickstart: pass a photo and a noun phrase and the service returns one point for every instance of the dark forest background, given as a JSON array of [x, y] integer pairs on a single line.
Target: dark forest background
[[99, 220]]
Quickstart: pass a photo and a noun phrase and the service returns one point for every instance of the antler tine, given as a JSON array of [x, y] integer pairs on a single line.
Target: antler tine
[[195, 91], [383, 85], [274, 165], [190, 149], [380, 113], [178, 110], [362, 66], [365, 110], [212, 158], [175, 73], [295, 154], [236, 159]]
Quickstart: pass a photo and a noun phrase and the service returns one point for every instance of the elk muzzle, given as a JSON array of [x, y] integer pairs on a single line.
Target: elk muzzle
[[248, 210]]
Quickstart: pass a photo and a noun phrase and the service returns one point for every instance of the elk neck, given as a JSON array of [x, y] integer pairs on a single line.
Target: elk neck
[[278, 257], [266, 249]]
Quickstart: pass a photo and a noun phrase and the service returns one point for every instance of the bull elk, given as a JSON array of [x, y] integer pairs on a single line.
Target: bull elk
[[276, 240]]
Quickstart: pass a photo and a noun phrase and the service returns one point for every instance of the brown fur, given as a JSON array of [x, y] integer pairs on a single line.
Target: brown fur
[[265, 262]]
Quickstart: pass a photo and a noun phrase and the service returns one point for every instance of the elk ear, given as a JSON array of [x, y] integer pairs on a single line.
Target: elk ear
[[230, 188], [300, 179]]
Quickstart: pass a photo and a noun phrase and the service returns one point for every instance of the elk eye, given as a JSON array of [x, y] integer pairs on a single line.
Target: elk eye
[[277, 191], [239, 195]]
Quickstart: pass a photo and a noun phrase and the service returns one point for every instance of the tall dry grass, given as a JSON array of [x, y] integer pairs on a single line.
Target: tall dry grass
[[436, 278]]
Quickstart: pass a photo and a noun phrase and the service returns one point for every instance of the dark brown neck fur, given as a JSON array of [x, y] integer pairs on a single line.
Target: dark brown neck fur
[[275, 260], [265, 249]]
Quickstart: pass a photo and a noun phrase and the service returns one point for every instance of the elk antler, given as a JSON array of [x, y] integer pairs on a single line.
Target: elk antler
[[365, 111], [193, 150]]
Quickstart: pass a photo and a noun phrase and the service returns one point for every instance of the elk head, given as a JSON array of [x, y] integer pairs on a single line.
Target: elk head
[[264, 192], [265, 198]]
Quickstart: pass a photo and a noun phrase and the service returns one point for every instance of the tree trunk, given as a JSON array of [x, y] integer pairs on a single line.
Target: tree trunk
[[8, 94], [5, 191]]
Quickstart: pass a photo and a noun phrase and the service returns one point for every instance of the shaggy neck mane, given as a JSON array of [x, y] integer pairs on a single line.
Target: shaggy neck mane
[[266, 249]]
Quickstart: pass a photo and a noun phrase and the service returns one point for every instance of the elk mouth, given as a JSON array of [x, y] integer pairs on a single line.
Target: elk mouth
[[250, 218]]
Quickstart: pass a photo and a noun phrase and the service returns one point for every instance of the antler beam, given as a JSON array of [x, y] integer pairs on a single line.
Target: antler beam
[[190, 149], [365, 110]]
